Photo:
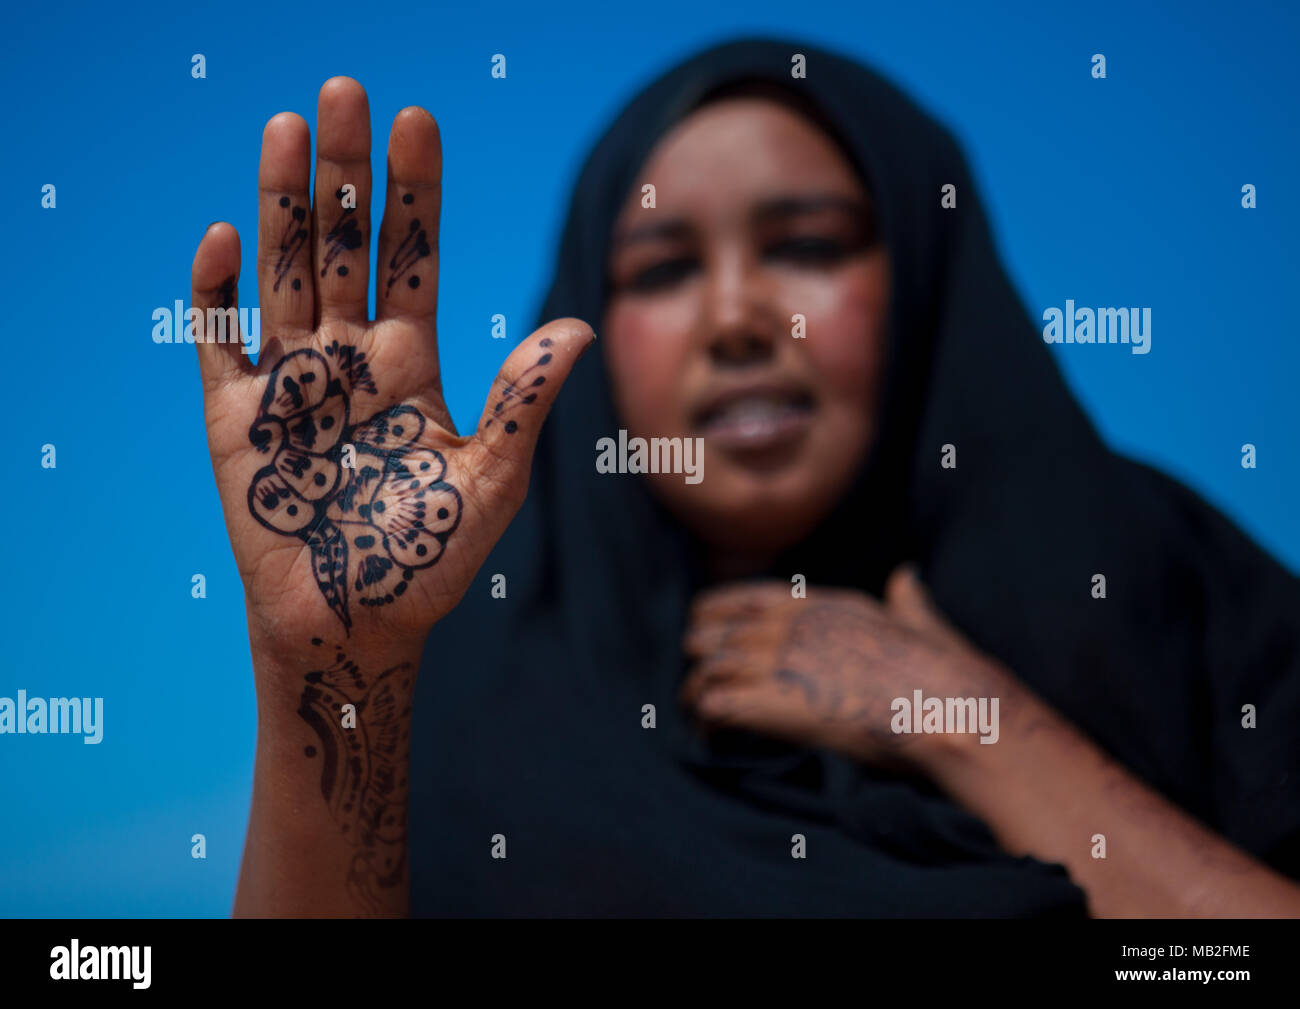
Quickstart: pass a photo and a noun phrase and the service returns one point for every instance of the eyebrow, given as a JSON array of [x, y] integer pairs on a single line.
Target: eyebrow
[[778, 207]]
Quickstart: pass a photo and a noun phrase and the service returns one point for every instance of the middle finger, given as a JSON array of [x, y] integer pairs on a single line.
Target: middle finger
[[341, 210]]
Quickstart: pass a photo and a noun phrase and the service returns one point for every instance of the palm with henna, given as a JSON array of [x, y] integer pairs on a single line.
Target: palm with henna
[[353, 506]]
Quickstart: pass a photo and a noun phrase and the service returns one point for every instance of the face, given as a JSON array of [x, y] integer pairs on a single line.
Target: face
[[759, 218]]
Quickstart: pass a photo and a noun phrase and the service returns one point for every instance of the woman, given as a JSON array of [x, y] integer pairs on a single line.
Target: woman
[[688, 692]]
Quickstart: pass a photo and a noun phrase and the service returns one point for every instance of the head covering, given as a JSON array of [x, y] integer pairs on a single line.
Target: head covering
[[529, 709]]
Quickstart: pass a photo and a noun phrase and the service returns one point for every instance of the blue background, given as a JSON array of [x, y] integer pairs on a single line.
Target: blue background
[[1118, 192]]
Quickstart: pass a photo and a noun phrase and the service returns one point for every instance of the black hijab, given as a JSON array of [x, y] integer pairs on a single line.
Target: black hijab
[[529, 712]]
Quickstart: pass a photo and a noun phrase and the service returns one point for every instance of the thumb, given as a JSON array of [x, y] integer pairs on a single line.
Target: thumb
[[522, 395], [907, 598]]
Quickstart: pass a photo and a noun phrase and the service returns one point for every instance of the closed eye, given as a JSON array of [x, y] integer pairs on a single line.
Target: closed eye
[[807, 251], [663, 274], [810, 251]]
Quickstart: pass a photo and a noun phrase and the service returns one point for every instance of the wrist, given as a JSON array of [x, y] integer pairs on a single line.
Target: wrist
[[283, 666], [1003, 705]]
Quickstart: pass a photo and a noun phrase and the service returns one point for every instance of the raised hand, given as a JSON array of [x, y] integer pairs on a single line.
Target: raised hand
[[355, 511]]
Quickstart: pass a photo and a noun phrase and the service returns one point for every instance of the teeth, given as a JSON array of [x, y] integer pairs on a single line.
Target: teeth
[[752, 410]]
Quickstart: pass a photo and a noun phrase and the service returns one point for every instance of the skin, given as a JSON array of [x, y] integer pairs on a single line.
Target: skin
[[699, 313], [327, 829], [823, 670]]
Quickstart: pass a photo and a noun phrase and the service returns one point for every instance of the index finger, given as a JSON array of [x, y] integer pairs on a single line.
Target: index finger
[[739, 599]]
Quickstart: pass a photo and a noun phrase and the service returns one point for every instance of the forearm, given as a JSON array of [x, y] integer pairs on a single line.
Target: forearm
[[1045, 790], [327, 830]]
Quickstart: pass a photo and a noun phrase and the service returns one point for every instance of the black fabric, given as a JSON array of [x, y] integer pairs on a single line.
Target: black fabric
[[528, 715]]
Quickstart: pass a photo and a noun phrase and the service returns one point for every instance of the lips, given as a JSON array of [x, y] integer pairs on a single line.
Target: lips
[[756, 417]]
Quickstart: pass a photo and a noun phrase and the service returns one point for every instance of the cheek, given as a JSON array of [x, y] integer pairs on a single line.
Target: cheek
[[846, 336], [645, 357]]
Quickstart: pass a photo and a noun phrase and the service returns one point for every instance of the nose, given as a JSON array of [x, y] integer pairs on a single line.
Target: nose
[[738, 330]]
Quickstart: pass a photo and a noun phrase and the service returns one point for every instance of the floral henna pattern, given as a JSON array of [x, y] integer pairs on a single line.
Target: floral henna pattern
[[372, 516]]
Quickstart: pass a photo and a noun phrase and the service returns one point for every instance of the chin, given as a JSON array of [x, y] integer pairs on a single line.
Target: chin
[[766, 524]]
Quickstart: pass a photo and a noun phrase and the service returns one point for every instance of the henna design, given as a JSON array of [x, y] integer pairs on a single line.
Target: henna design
[[513, 396], [412, 248], [370, 527], [802, 682], [363, 768], [346, 234], [831, 644], [293, 238], [833, 639]]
